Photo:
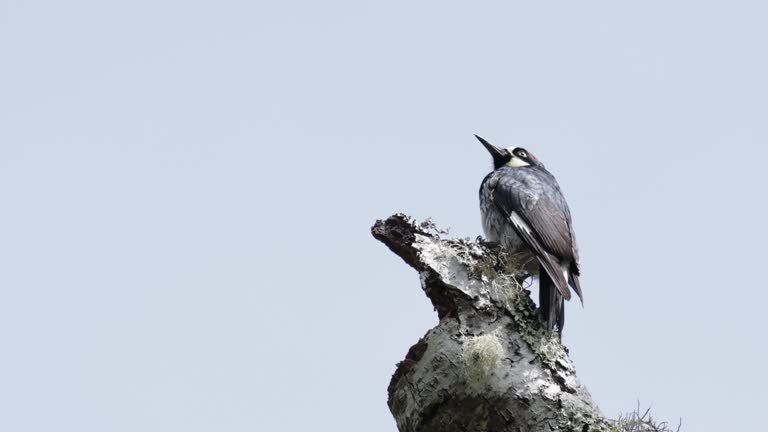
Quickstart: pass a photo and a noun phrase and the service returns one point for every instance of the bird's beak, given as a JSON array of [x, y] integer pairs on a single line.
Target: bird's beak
[[499, 155]]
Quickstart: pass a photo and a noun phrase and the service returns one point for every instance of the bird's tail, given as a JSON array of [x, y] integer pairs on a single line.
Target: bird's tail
[[551, 303]]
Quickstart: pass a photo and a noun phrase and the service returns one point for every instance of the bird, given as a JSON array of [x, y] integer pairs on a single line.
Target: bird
[[524, 210]]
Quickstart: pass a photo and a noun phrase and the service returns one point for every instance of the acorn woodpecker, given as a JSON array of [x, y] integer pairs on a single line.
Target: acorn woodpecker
[[524, 210]]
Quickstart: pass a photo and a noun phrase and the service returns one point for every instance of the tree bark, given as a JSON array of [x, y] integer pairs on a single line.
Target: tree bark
[[488, 365]]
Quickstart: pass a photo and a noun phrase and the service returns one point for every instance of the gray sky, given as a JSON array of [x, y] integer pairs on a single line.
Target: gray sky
[[187, 190]]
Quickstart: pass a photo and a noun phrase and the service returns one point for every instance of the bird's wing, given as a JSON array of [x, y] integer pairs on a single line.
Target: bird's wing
[[575, 267], [550, 263], [537, 210], [540, 203], [574, 245]]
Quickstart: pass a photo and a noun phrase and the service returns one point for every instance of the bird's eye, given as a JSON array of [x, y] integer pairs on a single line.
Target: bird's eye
[[522, 154]]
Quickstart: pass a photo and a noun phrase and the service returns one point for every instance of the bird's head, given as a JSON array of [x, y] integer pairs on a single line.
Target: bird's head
[[512, 157]]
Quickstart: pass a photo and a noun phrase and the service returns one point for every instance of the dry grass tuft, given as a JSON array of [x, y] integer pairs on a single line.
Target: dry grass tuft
[[642, 421]]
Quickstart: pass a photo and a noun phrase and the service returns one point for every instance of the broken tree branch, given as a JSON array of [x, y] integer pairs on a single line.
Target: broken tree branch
[[488, 365]]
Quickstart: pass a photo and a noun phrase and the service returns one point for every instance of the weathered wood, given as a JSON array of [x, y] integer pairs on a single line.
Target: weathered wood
[[488, 365]]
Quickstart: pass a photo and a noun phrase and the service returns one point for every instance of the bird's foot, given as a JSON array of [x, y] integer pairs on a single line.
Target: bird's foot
[[520, 279]]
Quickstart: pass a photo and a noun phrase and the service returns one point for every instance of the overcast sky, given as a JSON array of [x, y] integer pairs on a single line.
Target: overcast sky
[[187, 189]]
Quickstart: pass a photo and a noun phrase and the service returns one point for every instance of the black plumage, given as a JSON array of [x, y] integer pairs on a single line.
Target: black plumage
[[524, 209]]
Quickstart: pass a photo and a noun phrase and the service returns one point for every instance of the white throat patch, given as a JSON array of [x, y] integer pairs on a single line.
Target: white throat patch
[[516, 162]]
